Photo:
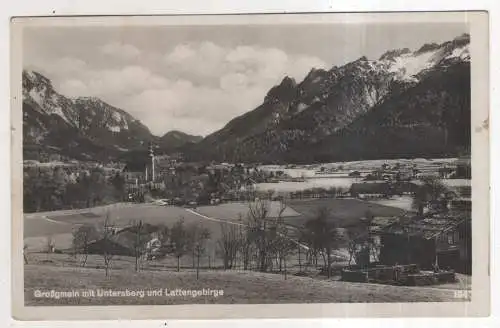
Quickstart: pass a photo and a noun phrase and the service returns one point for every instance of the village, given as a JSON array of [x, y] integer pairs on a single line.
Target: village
[[394, 225]]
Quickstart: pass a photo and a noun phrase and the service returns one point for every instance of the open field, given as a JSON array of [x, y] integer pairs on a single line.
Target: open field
[[309, 183], [60, 225], [343, 211], [232, 211], [62, 272], [402, 202], [243, 287]]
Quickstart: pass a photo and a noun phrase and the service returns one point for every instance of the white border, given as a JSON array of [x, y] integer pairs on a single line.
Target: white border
[[132, 7]]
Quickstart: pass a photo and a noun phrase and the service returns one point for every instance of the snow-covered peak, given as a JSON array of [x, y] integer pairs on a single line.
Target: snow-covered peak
[[78, 112], [89, 99], [394, 53], [30, 74], [407, 65], [462, 53], [38, 89]]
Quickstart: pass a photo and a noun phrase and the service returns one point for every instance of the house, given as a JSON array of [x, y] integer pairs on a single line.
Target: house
[[404, 175], [134, 171], [443, 239], [370, 190], [123, 241], [115, 246], [404, 188]]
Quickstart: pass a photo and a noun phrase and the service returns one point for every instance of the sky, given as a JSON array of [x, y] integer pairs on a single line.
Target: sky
[[195, 79]]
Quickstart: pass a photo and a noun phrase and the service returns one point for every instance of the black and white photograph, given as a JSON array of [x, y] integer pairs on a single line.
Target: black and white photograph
[[247, 163]]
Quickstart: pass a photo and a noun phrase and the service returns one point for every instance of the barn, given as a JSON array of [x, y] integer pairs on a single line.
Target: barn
[[442, 239]]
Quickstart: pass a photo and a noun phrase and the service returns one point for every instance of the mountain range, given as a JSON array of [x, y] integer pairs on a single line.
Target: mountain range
[[84, 128], [404, 104]]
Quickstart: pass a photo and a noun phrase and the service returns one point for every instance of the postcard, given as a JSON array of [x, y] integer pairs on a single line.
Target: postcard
[[250, 166]]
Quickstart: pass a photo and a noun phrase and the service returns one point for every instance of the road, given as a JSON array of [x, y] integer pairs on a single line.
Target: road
[[341, 253], [241, 225]]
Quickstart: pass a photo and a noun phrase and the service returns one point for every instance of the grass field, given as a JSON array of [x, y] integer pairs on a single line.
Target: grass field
[[343, 211], [232, 211], [61, 272], [243, 287], [60, 225], [402, 202]]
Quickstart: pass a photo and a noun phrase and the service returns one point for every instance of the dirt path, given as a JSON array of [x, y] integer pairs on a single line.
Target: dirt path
[[214, 219], [239, 224]]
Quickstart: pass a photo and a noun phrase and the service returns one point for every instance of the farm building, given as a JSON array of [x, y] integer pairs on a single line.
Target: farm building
[[370, 190], [123, 241], [443, 239], [134, 170], [382, 189]]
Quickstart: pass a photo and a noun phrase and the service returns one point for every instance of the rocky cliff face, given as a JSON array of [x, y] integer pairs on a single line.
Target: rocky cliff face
[[393, 95]]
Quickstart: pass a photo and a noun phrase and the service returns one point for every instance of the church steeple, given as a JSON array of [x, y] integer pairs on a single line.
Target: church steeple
[[152, 156]]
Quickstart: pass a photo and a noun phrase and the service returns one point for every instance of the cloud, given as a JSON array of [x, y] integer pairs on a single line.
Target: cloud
[[58, 68], [207, 108], [112, 83], [73, 88], [211, 63], [195, 87], [121, 50]]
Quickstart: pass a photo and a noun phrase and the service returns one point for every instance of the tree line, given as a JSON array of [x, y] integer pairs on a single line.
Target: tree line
[[56, 188], [259, 242]]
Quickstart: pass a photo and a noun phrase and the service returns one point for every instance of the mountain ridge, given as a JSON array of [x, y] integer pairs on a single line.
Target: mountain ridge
[[84, 128], [300, 115], [324, 117]]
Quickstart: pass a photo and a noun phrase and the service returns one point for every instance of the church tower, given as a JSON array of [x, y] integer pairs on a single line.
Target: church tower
[[152, 156]]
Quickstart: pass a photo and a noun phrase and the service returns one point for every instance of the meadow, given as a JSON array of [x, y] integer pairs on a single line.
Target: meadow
[[239, 287], [62, 271], [60, 225]]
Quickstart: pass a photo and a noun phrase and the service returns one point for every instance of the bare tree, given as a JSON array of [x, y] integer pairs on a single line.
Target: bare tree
[[139, 242], [285, 247], [229, 243], [82, 237], [360, 241], [199, 235], [107, 239], [191, 234], [179, 241], [49, 246], [323, 236], [262, 231], [284, 244], [307, 236], [245, 246]]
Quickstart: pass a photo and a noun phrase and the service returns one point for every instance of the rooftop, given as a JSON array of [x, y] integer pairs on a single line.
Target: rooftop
[[428, 226]]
